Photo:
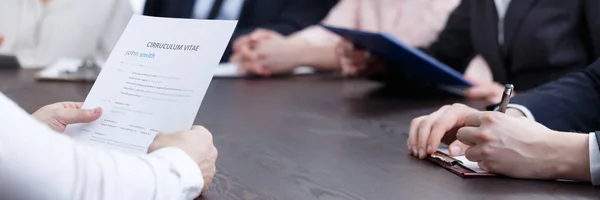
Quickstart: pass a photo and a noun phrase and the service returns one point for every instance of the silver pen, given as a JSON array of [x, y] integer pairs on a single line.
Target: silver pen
[[508, 90]]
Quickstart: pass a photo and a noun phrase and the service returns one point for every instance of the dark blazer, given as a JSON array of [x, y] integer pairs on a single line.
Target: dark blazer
[[571, 103], [544, 39], [283, 16]]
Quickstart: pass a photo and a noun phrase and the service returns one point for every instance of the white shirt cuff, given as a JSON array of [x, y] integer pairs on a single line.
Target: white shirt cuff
[[594, 159], [189, 172], [521, 108]]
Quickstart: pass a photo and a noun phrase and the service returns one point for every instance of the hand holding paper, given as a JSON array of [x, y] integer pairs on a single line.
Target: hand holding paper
[[198, 144], [58, 115], [154, 81]]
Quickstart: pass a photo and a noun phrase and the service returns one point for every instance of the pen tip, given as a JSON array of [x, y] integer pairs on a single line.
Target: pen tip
[[509, 86]]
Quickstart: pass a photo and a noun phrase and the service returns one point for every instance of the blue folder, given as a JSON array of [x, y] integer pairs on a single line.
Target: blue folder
[[413, 61]]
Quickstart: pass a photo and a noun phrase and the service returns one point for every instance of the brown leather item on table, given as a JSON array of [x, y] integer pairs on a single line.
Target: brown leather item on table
[[447, 162]]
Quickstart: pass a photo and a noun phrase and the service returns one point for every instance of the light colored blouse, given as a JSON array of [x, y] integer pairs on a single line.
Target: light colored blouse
[[40, 34], [414, 22]]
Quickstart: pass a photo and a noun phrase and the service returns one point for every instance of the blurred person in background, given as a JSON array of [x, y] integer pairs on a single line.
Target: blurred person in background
[[281, 16], [416, 23], [521, 42], [38, 32]]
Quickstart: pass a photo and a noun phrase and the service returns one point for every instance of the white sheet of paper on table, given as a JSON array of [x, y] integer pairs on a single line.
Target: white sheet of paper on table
[[466, 163], [61, 65], [153, 81], [230, 70]]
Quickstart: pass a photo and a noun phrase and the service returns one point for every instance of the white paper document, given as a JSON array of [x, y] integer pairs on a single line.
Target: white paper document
[[61, 65], [154, 81], [230, 70], [466, 163]]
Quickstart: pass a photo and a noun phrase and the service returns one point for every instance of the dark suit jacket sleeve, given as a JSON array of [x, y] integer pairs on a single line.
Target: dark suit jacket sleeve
[[153, 7], [568, 104], [597, 137], [454, 46], [592, 14]]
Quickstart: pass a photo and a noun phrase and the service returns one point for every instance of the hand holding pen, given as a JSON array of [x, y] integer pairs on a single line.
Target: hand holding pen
[[426, 132]]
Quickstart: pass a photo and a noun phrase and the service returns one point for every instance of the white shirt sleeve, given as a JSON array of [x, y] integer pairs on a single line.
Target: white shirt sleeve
[[594, 159], [594, 149], [36, 163], [230, 10], [523, 109]]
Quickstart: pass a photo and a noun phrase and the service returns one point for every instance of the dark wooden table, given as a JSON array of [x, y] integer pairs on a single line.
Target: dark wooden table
[[316, 137]]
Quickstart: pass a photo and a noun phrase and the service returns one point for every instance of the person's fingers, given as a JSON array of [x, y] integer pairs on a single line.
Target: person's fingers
[[250, 62], [1, 40], [424, 131], [412, 135], [200, 129], [349, 71], [240, 42], [348, 68], [235, 58], [451, 119], [339, 48], [359, 60], [469, 135], [160, 136], [476, 119], [77, 105], [256, 68], [247, 54], [244, 65], [71, 105], [457, 148], [157, 143], [207, 184], [484, 166], [346, 49], [72, 116], [257, 34], [359, 56], [215, 152], [262, 34], [427, 136], [473, 154]]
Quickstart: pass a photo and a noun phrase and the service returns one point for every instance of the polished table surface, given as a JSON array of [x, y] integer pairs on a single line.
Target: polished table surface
[[316, 137]]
